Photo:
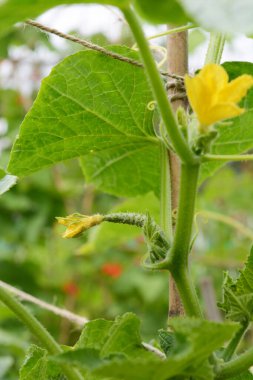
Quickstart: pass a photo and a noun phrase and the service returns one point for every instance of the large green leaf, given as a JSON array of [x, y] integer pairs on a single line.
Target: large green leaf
[[121, 336], [153, 369], [237, 136], [13, 11], [103, 341], [189, 357], [113, 350], [35, 364], [238, 294], [227, 16], [244, 283], [196, 332], [84, 358], [94, 334], [93, 106], [162, 12]]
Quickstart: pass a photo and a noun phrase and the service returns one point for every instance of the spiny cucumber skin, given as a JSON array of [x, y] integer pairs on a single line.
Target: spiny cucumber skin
[[131, 218], [155, 238]]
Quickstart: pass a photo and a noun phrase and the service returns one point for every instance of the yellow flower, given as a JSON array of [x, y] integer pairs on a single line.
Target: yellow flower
[[212, 97], [77, 223]]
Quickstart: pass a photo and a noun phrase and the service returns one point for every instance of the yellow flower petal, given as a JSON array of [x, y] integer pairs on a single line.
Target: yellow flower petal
[[223, 111], [212, 97], [195, 89], [214, 76], [77, 223], [63, 221], [74, 230], [236, 89]]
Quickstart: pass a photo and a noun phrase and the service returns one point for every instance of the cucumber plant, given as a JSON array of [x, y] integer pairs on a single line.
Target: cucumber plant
[[110, 108]]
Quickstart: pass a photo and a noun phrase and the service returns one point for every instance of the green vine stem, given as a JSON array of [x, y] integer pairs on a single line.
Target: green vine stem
[[230, 349], [173, 31], [227, 157], [38, 330], [185, 215], [182, 240], [159, 91], [236, 366], [187, 292], [165, 197], [215, 48]]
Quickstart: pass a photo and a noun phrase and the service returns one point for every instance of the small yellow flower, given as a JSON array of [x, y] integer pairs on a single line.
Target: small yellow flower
[[77, 223], [212, 97]]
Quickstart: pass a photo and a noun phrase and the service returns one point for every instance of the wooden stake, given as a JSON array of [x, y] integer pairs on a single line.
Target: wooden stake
[[177, 45]]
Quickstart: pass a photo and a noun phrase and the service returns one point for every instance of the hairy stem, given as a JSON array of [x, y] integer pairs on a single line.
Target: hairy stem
[[165, 198], [159, 91], [187, 292], [215, 48], [182, 241], [37, 330], [236, 366], [230, 349], [185, 215]]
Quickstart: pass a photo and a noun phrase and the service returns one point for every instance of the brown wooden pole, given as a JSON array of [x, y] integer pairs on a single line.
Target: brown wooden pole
[[177, 45]]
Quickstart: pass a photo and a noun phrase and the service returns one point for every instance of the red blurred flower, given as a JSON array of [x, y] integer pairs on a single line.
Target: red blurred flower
[[71, 288], [112, 269]]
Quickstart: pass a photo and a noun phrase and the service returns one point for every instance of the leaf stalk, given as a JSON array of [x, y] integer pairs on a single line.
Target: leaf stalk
[[38, 330], [176, 137]]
